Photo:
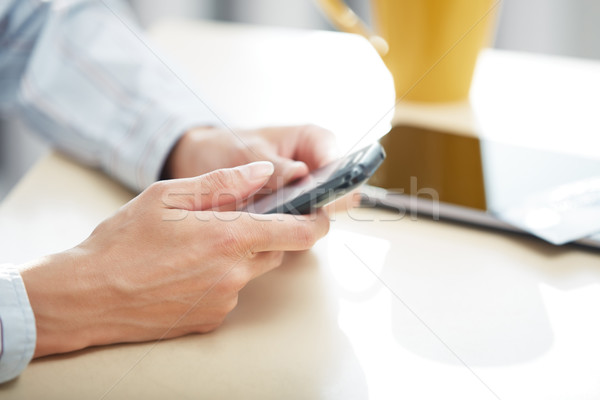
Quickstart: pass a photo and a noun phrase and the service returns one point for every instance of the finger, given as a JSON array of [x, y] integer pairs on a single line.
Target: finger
[[345, 203], [276, 232], [316, 146], [265, 262], [311, 144], [286, 171], [215, 189]]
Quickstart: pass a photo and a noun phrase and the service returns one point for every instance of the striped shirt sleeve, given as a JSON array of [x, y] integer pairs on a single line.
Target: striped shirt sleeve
[[82, 75], [17, 324]]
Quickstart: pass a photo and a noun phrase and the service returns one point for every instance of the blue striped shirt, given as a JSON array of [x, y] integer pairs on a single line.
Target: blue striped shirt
[[83, 76]]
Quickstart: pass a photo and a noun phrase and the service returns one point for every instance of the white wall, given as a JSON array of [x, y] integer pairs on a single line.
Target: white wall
[[290, 13], [150, 11], [563, 27]]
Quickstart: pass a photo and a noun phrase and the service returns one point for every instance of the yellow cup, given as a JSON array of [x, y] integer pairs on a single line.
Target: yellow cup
[[429, 46]]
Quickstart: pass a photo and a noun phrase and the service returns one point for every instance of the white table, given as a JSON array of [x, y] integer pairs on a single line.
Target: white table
[[384, 307]]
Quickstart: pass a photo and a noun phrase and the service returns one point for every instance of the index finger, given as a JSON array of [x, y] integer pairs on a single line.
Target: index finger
[[283, 232]]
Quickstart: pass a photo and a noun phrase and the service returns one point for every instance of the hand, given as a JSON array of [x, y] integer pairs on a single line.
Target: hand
[[294, 151], [164, 265]]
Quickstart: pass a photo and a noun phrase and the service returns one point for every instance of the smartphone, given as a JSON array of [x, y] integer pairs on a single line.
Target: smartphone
[[323, 185]]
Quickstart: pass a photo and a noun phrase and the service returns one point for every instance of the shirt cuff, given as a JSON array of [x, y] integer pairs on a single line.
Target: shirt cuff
[[17, 324]]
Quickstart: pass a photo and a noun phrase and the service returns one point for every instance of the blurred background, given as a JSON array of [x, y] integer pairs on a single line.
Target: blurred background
[[559, 27]]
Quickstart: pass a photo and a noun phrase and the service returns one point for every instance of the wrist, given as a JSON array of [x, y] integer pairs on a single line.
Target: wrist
[[58, 299], [186, 153]]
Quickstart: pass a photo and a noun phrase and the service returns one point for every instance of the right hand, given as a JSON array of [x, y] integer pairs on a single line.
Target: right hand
[[166, 264]]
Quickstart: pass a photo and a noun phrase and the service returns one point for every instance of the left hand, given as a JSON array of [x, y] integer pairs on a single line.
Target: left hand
[[293, 150]]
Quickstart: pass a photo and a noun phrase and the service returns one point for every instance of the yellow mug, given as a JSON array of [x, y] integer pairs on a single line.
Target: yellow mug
[[429, 46]]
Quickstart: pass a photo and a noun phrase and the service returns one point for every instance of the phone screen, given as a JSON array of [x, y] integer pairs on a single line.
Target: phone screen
[[322, 185], [291, 191]]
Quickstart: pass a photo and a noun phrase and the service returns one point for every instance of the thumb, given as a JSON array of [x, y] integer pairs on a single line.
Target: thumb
[[217, 188]]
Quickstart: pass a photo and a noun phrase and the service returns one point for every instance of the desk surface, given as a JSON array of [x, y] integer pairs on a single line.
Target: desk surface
[[384, 307]]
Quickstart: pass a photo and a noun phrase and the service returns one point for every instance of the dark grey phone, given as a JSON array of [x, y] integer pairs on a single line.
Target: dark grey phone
[[323, 185]]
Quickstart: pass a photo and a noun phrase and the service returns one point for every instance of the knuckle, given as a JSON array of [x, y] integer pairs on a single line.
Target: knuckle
[[158, 188], [222, 178], [230, 284], [243, 236], [262, 236], [231, 304], [232, 240], [276, 259], [236, 281]]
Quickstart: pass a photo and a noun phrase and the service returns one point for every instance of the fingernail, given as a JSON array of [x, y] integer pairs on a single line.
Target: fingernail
[[259, 170]]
